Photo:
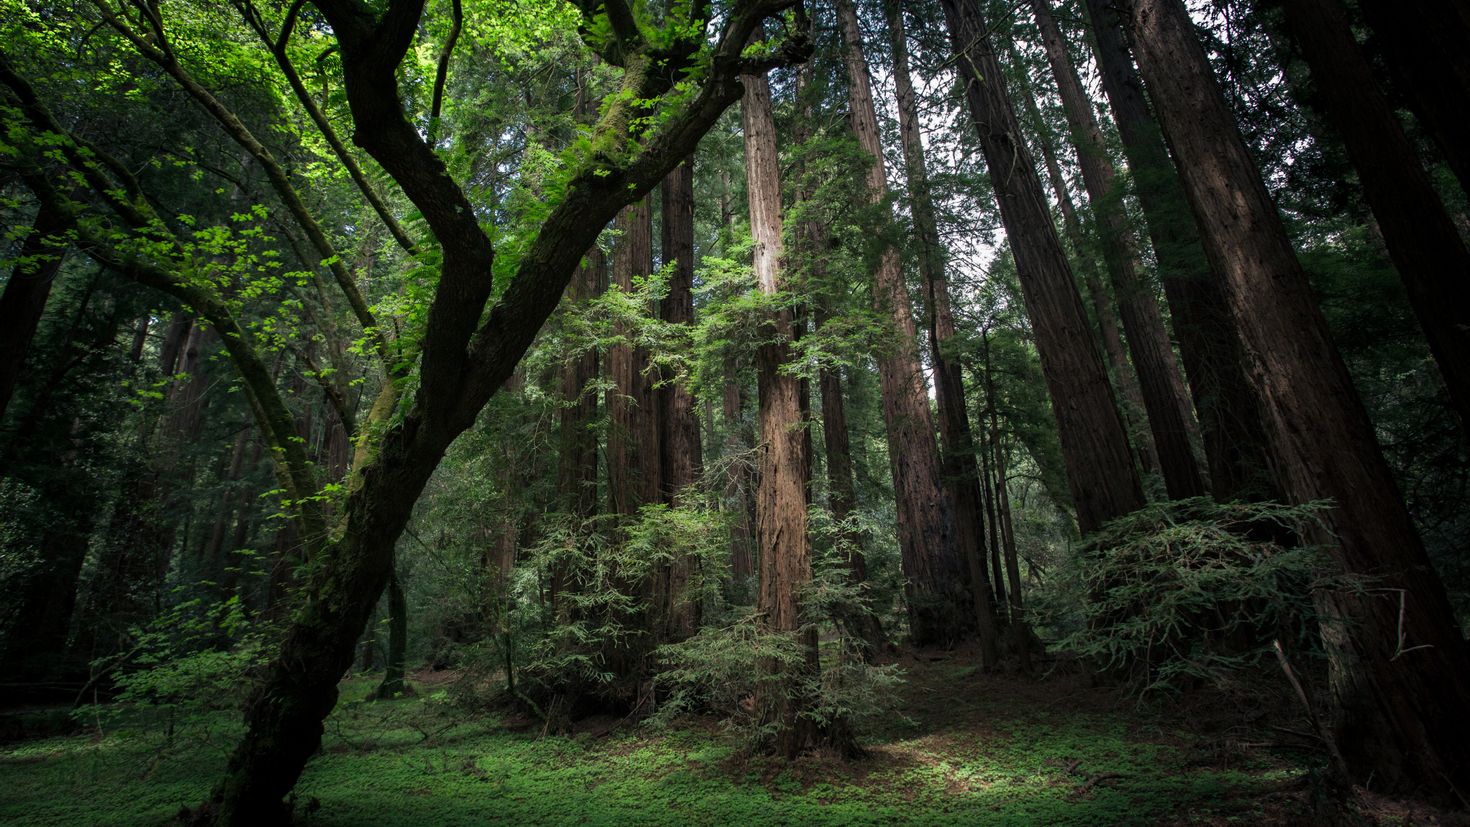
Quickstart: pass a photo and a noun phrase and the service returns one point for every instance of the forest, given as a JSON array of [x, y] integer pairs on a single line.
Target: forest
[[766, 412]]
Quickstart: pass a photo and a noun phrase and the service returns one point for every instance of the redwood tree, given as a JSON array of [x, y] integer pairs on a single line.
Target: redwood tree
[[1100, 471], [1399, 670]]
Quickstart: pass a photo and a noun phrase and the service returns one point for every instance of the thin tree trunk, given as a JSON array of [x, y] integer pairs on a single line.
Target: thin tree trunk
[[1422, 239], [1100, 470], [577, 458], [737, 486], [781, 505], [961, 476], [1399, 670], [934, 572], [1231, 425], [1169, 417]]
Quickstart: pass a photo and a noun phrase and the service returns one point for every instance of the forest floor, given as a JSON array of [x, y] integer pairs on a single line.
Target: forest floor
[[966, 749]]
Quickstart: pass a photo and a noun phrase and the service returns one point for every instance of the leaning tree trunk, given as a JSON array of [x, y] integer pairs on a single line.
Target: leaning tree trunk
[[1100, 471], [1399, 670], [1231, 427], [935, 575], [1169, 417], [961, 476], [1124, 377], [1422, 240], [1426, 44], [781, 505], [679, 444]]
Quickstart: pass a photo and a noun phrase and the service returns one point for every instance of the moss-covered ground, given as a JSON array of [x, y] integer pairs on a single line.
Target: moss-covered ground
[[968, 749]]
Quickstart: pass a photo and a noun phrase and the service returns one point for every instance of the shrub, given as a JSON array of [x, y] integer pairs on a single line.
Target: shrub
[[1191, 591]]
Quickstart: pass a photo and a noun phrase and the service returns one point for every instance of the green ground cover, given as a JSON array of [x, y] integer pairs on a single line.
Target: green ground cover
[[968, 750]]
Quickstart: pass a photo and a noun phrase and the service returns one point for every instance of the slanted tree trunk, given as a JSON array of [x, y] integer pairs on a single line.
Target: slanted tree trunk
[[1169, 417], [1231, 426], [679, 442], [1125, 380], [1422, 240], [1426, 44], [1100, 471], [781, 504], [961, 475], [1399, 670], [24, 299], [934, 572]]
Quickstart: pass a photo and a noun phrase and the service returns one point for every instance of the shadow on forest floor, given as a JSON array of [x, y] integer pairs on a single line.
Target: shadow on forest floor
[[967, 749]]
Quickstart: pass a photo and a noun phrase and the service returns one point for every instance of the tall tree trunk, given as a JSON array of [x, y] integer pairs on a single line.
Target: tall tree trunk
[[1426, 43], [1231, 426], [781, 505], [933, 569], [577, 458], [961, 476], [1124, 377], [1399, 670], [1422, 239], [24, 298], [680, 449], [1169, 417], [632, 440], [1100, 471]]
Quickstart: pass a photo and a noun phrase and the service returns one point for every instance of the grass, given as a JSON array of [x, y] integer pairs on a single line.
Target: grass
[[970, 749]]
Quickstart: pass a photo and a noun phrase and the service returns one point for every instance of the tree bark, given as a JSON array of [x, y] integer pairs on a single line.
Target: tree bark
[[1422, 240], [934, 572], [679, 442], [1100, 471], [781, 504], [632, 440], [960, 474], [1399, 670], [1169, 417]]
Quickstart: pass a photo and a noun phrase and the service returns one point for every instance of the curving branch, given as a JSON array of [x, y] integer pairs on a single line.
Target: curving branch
[[278, 48], [155, 47]]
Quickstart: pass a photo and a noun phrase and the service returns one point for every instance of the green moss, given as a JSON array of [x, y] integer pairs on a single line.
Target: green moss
[[418, 761]]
